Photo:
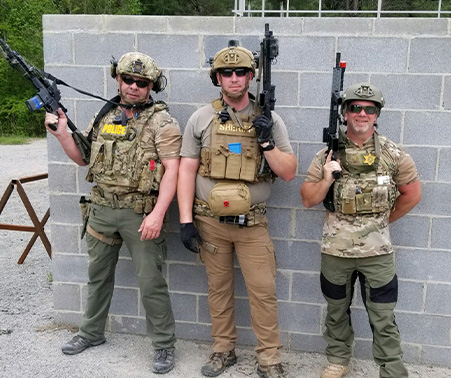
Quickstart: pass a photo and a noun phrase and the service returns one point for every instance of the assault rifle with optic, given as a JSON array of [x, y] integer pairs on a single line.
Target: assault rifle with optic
[[330, 134]]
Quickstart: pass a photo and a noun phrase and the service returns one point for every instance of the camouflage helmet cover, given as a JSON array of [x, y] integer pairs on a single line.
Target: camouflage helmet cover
[[233, 56], [138, 64], [363, 92]]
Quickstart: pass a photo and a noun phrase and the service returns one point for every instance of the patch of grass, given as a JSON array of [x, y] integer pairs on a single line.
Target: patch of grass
[[14, 139]]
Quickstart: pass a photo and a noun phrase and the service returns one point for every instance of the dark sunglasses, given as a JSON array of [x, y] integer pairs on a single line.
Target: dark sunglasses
[[139, 83], [358, 108], [228, 72]]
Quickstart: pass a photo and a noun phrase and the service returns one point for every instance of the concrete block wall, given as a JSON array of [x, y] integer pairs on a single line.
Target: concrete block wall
[[408, 58]]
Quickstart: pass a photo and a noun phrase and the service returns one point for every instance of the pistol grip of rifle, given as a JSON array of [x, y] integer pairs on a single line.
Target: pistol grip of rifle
[[53, 126], [336, 174]]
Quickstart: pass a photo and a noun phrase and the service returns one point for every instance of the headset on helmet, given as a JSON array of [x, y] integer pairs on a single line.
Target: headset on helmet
[[139, 65], [363, 92], [230, 57]]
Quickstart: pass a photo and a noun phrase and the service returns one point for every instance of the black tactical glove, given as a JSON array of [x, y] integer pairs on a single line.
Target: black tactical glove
[[190, 237], [263, 127]]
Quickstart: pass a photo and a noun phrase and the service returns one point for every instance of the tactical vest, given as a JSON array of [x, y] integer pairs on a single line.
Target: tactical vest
[[366, 183], [119, 159], [234, 153]]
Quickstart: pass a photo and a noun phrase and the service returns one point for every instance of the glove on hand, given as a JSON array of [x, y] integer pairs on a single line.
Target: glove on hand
[[190, 237], [263, 126]]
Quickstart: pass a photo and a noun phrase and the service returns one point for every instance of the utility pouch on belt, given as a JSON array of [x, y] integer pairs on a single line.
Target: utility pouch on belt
[[84, 208], [229, 198]]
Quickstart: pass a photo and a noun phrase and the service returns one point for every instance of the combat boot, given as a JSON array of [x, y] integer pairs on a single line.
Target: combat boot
[[335, 371], [163, 361], [79, 343], [218, 362], [271, 371]]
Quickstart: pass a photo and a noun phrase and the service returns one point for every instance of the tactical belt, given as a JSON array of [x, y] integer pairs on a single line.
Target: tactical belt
[[256, 214], [140, 203], [102, 238]]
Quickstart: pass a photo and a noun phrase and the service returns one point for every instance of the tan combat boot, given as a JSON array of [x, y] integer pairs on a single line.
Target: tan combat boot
[[218, 362], [335, 371]]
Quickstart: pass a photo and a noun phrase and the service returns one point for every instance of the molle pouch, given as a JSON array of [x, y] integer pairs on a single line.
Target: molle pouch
[[151, 174], [363, 202], [233, 166], [229, 198], [380, 200], [218, 162], [249, 165], [138, 207], [205, 162], [348, 198], [84, 209], [149, 204], [96, 162]]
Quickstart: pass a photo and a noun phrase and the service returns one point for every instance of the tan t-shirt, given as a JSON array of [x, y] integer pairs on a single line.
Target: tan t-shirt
[[197, 135], [361, 235]]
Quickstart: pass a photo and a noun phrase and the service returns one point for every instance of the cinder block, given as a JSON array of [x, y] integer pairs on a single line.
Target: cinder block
[[425, 159], [440, 236], [435, 356], [193, 331], [55, 151], [62, 177], [127, 324], [435, 199], [425, 87], [410, 296], [337, 26], [141, 24], [182, 113], [421, 48], [187, 25], [287, 88], [65, 238], [124, 302], [184, 307], [434, 330], [444, 173], [438, 125], [410, 27], [285, 193], [65, 208], [410, 231], [437, 299], [360, 51], [183, 52], [416, 264], [203, 310], [309, 224], [197, 282], [202, 93], [298, 317], [125, 273], [67, 268], [305, 124], [59, 23], [279, 222], [281, 26], [66, 297], [306, 288], [296, 255], [283, 284], [390, 124], [242, 313], [214, 43], [58, 48], [307, 343]]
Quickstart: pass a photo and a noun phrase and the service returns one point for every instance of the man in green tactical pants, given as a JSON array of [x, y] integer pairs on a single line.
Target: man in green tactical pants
[[378, 184], [134, 160]]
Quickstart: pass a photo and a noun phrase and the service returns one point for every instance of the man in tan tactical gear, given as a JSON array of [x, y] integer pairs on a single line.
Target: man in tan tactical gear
[[378, 184], [222, 152], [134, 162]]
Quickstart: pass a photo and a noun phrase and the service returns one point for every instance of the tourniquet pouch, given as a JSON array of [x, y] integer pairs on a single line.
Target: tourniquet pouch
[[151, 174], [348, 198], [230, 198], [84, 209]]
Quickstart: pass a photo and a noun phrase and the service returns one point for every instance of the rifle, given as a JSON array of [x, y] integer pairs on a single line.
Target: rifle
[[330, 134], [48, 95], [269, 50]]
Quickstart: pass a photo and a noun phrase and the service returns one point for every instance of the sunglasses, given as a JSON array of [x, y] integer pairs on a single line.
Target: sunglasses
[[228, 72], [358, 108], [139, 83]]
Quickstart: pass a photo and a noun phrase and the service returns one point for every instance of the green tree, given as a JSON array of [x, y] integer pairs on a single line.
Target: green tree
[[188, 7]]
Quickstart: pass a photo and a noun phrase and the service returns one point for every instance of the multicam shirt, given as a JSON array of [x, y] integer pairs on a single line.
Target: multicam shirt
[[362, 235]]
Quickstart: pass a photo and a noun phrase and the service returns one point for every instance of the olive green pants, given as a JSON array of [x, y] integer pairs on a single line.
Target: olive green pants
[[255, 253], [379, 289], [147, 256]]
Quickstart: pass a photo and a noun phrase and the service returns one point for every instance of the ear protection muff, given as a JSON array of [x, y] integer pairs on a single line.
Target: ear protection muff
[[158, 86]]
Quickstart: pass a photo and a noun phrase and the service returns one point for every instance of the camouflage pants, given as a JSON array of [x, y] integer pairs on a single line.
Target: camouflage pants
[[147, 256], [379, 289], [255, 253]]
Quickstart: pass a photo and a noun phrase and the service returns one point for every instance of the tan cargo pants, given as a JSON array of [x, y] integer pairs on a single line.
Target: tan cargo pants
[[255, 253]]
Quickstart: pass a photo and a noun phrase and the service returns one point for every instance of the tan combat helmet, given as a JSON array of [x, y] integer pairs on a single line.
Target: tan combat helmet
[[364, 92], [233, 56]]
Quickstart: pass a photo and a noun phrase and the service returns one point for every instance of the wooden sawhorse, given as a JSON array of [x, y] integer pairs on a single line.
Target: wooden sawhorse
[[38, 225]]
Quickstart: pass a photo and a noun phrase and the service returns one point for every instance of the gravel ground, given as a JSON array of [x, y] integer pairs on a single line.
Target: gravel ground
[[30, 340]]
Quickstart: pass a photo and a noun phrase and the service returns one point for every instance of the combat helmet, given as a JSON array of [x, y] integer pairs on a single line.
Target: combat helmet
[[232, 56], [364, 92]]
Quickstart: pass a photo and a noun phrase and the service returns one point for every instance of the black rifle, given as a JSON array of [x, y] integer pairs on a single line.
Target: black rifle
[[269, 50], [48, 95], [330, 134]]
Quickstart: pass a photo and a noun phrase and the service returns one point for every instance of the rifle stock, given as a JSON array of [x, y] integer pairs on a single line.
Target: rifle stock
[[330, 134]]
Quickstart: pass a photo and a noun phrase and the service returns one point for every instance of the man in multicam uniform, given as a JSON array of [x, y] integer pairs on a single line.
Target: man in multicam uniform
[[134, 163], [222, 151], [378, 184]]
